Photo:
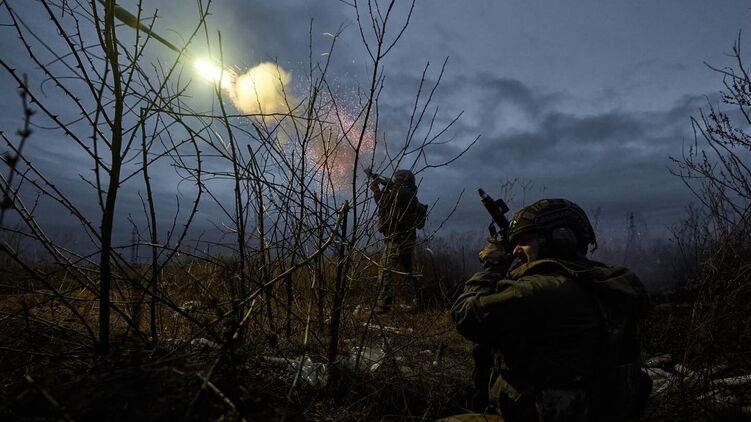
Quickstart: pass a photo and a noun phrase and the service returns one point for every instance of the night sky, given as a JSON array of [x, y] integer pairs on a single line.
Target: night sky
[[581, 99]]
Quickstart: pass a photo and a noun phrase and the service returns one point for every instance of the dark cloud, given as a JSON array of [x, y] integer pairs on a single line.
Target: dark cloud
[[570, 104], [617, 161]]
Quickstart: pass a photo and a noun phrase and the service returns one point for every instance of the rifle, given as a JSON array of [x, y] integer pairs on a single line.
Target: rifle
[[497, 210], [377, 177], [482, 354]]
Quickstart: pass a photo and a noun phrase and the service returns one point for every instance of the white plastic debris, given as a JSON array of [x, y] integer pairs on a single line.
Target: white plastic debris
[[661, 361], [314, 374], [733, 381], [364, 357], [205, 343], [685, 371], [657, 373], [714, 370], [719, 397], [664, 380], [387, 329], [189, 306]]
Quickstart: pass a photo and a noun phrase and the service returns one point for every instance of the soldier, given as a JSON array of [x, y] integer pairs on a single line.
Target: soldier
[[562, 330], [399, 215]]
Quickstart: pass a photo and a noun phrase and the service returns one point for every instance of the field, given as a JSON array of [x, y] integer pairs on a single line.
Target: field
[[409, 364], [182, 238]]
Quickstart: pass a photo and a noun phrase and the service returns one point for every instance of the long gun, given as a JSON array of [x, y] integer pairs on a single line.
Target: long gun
[[497, 210], [377, 177], [482, 354], [132, 21]]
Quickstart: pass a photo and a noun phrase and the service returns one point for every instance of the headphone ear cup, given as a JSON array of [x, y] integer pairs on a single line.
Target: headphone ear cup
[[563, 241]]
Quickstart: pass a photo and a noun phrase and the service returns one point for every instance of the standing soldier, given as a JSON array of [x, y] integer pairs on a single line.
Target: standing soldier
[[399, 215], [562, 330]]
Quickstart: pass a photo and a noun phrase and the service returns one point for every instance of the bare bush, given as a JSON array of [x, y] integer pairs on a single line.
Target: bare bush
[[714, 241], [294, 252]]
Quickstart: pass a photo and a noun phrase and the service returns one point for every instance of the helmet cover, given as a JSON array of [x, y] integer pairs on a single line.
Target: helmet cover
[[546, 215]]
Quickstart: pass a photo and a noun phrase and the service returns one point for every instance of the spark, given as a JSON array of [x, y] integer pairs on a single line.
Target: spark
[[336, 151]]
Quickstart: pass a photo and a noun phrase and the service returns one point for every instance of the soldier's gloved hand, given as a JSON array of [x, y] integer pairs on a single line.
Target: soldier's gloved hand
[[374, 186], [494, 257]]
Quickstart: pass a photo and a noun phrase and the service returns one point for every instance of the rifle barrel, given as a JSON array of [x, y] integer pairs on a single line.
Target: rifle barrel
[[132, 21]]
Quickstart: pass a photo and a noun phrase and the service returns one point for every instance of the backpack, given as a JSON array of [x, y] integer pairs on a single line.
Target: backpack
[[400, 210], [621, 386]]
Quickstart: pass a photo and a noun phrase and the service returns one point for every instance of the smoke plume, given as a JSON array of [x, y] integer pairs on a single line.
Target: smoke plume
[[261, 90]]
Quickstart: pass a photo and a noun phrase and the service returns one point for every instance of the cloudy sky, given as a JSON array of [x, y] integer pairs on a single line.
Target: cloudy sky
[[582, 99]]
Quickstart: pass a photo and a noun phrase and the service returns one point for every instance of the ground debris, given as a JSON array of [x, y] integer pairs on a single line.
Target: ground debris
[[314, 374]]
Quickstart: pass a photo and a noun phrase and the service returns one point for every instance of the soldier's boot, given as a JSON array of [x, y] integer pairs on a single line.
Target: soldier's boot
[[418, 302], [385, 296]]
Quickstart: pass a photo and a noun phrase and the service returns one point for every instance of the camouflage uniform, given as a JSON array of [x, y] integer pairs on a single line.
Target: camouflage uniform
[[544, 328], [548, 323], [396, 222]]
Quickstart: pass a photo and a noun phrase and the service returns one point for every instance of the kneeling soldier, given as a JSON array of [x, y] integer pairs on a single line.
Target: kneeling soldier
[[561, 330]]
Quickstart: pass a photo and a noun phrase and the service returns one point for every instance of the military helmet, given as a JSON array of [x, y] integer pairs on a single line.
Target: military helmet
[[404, 176], [555, 219]]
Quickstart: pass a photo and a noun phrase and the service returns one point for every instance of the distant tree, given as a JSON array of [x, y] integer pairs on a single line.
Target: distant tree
[[716, 167]]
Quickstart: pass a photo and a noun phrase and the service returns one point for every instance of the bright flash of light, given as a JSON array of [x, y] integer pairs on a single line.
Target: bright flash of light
[[261, 90], [214, 73]]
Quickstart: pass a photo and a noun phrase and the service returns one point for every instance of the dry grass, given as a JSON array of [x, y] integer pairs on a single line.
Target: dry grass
[[50, 370]]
